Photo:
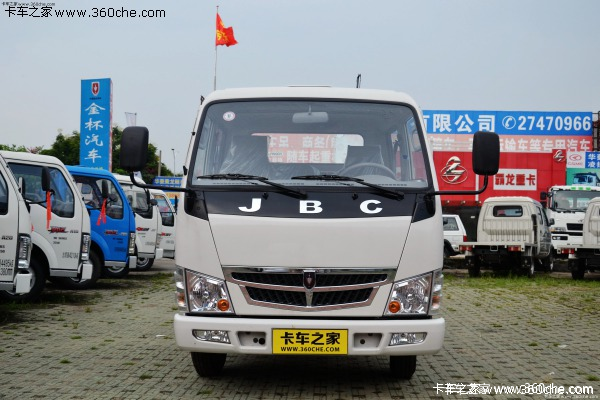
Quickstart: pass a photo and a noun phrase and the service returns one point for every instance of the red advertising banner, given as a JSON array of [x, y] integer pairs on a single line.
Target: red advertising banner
[[520, 174]]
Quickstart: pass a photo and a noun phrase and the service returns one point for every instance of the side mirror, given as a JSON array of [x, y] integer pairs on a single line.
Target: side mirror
[[543, 196], [104, 189], [153, 202], [46, 179], [134, 144], [551, 222], [486, 153]]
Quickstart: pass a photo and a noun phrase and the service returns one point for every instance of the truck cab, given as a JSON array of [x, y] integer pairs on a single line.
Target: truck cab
[[15, 236], [148, 224], [310, 224], [111, 217], [566, 205], [61, 225], [586, 256]]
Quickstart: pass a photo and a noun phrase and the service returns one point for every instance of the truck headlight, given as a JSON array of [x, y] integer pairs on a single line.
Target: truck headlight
[[131, 244], [85, 247], [416, 295], [558, 229], [24, 252], [201, 293]]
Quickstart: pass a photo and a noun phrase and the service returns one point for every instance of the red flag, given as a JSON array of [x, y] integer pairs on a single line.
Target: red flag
[[224, 35]]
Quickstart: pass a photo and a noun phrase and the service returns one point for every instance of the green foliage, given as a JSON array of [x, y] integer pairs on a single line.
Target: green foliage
[[13, 147]]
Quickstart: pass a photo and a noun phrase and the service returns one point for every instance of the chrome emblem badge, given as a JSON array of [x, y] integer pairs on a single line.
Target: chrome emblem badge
[[309, 278]]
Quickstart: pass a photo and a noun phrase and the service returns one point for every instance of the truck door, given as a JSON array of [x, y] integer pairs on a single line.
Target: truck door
[[167, 213], [57, 221], [111, 224], [9, 225], [544, 235]]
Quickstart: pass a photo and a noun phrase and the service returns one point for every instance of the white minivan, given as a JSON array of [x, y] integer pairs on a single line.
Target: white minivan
[[454, 234]]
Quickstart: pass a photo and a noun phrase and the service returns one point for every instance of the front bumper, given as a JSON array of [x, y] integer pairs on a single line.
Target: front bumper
[[254, 335]]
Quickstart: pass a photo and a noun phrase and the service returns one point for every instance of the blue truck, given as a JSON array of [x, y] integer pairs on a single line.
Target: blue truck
[[112, 220]]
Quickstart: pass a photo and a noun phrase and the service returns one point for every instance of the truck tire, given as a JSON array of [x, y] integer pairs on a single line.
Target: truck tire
[[82, 284], [403, 367], [474, 266], [208, 364], [38, 282], [529, 266], [115, 272], [548, 262], [577, 268], [144, 264]]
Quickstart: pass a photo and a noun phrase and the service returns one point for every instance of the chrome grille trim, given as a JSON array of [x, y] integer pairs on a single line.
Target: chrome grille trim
[[267, 286]]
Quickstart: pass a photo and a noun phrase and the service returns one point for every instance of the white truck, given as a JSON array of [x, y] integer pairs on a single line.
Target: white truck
[[513, 233], [15, 236], [61, 225], [148, 224], [566, 205], [310, 225], [586, 256]]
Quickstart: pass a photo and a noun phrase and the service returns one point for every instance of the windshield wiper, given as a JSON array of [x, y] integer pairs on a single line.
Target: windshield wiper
[[244, 177], [340, 178]]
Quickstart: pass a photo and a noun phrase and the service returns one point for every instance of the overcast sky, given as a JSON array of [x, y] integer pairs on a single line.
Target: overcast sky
[[528, 55]]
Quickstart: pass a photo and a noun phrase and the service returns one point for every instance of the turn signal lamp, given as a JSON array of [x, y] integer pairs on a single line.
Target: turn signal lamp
[[394, 307], [223, 305]]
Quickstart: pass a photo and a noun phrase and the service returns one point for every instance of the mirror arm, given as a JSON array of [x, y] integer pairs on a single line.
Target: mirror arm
[[169, 188], [456, 192]]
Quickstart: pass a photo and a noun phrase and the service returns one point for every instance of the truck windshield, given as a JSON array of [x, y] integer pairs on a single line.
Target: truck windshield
[[281, 139], [572, 200]]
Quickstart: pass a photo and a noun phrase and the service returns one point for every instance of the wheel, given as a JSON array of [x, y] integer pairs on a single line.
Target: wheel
[[403, 367], [577, 268], [474, 267], [115, 272], [386, 171], [38, 281], [529, 266], [548, 262], [144, 264], [81, 284], [208, 364]]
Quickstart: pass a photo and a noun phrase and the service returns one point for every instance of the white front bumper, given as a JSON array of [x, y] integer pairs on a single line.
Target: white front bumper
[[365, 337]]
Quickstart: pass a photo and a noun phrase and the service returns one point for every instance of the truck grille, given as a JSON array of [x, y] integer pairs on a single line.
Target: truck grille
[[575, 227], [309, 289]]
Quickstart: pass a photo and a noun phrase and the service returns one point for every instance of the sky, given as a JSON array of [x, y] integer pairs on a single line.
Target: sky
[[515, 55]]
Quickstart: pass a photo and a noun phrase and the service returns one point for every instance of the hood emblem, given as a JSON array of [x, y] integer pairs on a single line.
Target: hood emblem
[[309, 278]]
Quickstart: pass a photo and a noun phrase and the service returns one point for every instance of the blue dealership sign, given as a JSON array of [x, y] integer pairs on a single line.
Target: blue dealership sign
[[95, 146], [545, 123]]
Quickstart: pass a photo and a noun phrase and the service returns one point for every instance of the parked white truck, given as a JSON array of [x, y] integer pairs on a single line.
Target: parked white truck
[[15, 236], [513, 233], [61, 225], [311, 224], [566, 205], [148, 224], [586, 256]]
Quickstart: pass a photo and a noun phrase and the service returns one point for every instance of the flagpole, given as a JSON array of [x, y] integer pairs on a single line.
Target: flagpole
[[215, 80]]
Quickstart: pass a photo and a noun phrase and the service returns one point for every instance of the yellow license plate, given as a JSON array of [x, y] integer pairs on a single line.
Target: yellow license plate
[[310, 341]]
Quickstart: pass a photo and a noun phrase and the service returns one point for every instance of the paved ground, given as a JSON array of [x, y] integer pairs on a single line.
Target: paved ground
[[117, 342]]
